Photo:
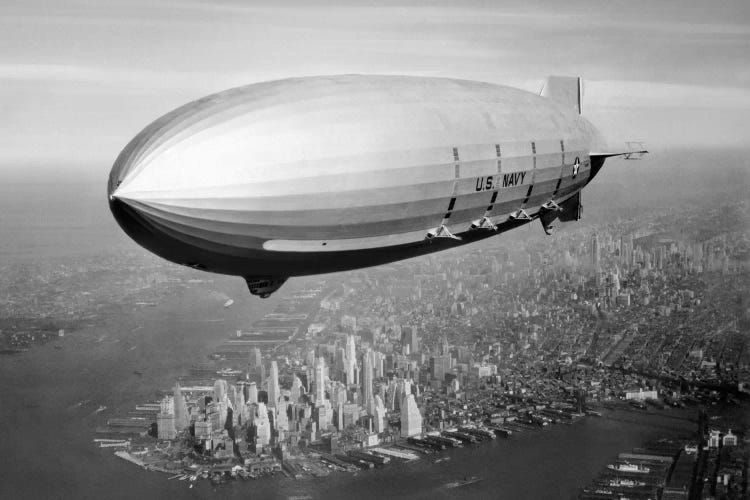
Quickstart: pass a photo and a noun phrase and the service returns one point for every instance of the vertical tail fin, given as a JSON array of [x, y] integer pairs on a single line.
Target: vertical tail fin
[[566, 90]]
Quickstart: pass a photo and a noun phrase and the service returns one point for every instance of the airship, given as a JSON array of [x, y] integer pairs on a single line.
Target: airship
[[321, 174]]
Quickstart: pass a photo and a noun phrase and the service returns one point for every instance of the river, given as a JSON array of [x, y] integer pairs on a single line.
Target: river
[[49, 453]]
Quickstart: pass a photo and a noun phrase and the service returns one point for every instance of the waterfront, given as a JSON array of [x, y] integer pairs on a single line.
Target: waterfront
[[52, 450]]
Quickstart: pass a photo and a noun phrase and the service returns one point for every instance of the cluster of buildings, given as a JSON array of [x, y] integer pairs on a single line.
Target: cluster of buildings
[[509, 337], [329, 393], [677, 469]]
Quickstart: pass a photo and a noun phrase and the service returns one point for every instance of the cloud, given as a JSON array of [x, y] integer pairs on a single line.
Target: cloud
[[634, 94], [116, 76]]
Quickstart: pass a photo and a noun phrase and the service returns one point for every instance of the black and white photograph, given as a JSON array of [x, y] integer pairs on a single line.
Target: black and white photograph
[[305, 250]]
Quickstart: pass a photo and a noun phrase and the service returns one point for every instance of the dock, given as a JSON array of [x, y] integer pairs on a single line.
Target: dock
[[403, 455]]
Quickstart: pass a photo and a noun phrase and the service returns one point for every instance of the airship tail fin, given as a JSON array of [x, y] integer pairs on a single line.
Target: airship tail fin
[[566, 90]]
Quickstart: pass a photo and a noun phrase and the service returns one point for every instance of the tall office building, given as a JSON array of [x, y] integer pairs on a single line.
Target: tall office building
[[296, 390], [252, 393], [213, 415], [381, 422], [320, 387], [323, 416], [367, 378], [273, 385], [340, 416], [615, 282], [165, 419], [262, 425], [444, 347], [181, 417], [595, 251], [350, 359], [281, 420], [410, 338], [378, 360], [390, 395], [439, 366], [411, 418], [255, 360], [624, 250], [166, 405], [220, 390], [339, 394], [165, 426], [202, 430]]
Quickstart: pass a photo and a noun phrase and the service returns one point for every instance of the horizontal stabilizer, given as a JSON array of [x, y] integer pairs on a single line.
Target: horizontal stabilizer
[[565, 90], [632, 150]]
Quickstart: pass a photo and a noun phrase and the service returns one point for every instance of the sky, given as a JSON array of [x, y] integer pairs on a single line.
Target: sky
[[78, 79]]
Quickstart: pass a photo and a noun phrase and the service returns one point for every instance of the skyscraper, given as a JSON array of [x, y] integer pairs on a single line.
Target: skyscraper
[[323, 417], [369, 401], [262, 425], [282, 418], [255, 360], [273, 385], [220, 390], [252, 393], [595, 251], [381, 422], [378, 359], [411, 418], [350, 360], [439, 366], [165, 419], [624, 250], [181, 417], [320, 389], [166, 405], [296, 391], [340, 416], [410, 338], [240, 414]]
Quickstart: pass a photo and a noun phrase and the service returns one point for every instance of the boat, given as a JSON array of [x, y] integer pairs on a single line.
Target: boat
[[228, 303], [228, 372], [464, 482], [625, 483], [136, 372], [628, 467]]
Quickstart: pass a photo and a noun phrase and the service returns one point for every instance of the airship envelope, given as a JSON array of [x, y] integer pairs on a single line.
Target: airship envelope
[[321, 174]]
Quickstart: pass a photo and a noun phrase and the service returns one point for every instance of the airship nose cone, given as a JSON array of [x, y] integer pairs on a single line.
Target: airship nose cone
[[124, 208]]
